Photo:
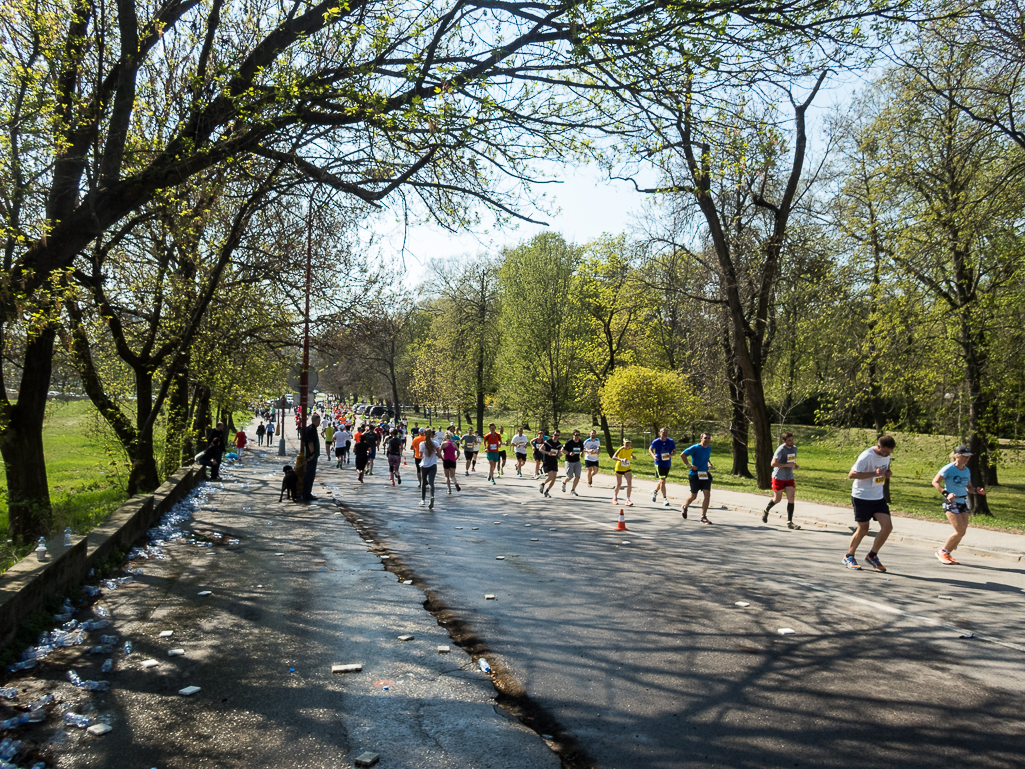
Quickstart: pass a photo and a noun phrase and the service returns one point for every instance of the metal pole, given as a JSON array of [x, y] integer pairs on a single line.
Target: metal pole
[[304, 377]]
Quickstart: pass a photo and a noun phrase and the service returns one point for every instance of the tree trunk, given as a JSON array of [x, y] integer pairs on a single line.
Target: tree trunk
[[607, 432], [201, 419], [21, 444], [177, 423], [738, 416], [144, 475]]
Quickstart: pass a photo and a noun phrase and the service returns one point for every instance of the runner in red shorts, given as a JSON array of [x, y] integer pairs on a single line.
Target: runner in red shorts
[[784, 462]]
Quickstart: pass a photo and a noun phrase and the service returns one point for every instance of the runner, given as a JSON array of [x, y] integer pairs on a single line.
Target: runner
[[624, 456], [394, 448], [538, 444], [869, 474], [429, 467], [573, 449], [373, 440], [519, 443], [592, 451], [662, 450], [469, 441], [361, 450], [418, 440], [784, 462], [478, 440], [493, 442], [954, 482], [329, 437], [343, 439], [550, 449], [502, 456], [700, 475], [449, 459]]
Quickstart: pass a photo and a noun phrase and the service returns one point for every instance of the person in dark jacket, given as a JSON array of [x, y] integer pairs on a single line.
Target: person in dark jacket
[[214, 453]]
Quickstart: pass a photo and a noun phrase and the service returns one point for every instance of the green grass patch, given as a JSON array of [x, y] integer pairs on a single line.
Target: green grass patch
[[825, 456], [84, 466]]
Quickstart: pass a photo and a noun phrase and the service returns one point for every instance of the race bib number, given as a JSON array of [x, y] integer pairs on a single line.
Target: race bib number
[[879, 480], [494, 446], [702, 475], [666, 457], [624, 462], [576, 451], [791, 457]]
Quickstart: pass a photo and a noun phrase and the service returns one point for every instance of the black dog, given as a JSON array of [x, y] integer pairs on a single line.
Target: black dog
[[290, 483]]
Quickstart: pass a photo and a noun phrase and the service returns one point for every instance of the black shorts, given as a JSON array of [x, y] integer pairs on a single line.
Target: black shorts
[[417, 461], [468, 455], [345, 448], [550, 467], [339, 451], [361, 463], [867, 509], [662, 471], [699, 484], [538, 456], [448, 464], [502, 454], [590, 463], [957, 508], [521, 456]]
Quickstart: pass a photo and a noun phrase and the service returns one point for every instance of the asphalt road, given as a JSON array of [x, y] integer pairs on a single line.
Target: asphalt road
[[634, 643]]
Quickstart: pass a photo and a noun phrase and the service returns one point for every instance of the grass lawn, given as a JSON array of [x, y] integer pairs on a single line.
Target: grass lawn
[[84, 487], [825, 455]]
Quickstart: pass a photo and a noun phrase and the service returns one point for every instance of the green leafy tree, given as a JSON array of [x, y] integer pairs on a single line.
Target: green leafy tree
[[649, 397]]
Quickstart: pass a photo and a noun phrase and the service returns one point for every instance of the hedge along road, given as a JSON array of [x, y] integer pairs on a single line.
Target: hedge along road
[[642, 655]]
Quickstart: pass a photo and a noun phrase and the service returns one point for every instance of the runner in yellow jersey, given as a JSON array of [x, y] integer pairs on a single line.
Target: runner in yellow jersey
[[624, 458]]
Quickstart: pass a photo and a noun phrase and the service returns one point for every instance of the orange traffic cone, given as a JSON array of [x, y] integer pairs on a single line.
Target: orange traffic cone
[[621, 526]]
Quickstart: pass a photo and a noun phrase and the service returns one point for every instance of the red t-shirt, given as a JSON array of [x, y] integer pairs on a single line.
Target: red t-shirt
[[241, 439], [493, 441]]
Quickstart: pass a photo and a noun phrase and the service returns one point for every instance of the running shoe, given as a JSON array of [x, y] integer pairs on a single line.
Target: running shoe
[[653, 495], [684, 512], [449, 492], [564, 487], [549, 496], [398, 481], [765, 516], [945, 557], [665, 502], [574, 492], [493, 482], [873, 560], [850, 562], [422, 503], [519, 474], [704, 519], [467, 473], [628, 503], [615, 501], [392, 481], [542, 488], [792, 525], [457, 487], [431, 505]]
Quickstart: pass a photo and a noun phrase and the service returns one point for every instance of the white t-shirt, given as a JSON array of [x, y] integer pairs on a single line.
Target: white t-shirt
[[429, 461], [519, 443], [341, 437], [869, 488], [591, 449]]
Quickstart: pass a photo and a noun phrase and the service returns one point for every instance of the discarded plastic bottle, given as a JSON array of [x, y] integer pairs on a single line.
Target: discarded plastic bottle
[[42, 702], [101, 612], [100, 649], [73, 677], [23, 665], [73, 719], [67, 537], [96, 686], [108, 639], [41, 549], [128, 647], [10, 723], [108, 665], [484, 665], [8, 692]]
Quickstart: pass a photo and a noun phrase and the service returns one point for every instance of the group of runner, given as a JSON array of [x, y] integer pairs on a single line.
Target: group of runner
[[869, 473]]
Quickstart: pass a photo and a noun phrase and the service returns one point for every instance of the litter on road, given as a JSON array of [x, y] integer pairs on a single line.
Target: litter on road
[[367, 759], [205, 592], [405, 638], [165, 634], [188, 691], [352, 668], [741, 603], [98, 729], [499, 557], [443, 650], [484, 665], [145, 664], [175, 652], [489, 597], [786, 631]]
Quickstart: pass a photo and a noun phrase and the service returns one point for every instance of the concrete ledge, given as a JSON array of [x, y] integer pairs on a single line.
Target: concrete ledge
[[26, 586]]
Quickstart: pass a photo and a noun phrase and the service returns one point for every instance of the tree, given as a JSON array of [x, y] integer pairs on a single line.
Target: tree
[[607, 293], [541, 325], [956, 188], [649, 397]]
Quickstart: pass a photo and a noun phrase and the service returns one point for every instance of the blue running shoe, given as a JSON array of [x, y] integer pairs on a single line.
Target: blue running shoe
[[850, 562], [873, 560]]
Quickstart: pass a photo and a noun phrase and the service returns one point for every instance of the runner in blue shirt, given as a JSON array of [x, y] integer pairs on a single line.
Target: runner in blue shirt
[[662, 450], [954, 483], [700, 475]]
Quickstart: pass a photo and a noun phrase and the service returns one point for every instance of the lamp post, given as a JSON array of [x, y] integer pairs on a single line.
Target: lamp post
[[304, 376]]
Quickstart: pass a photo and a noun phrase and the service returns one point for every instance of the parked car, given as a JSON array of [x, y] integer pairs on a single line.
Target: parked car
[[380, 411]]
